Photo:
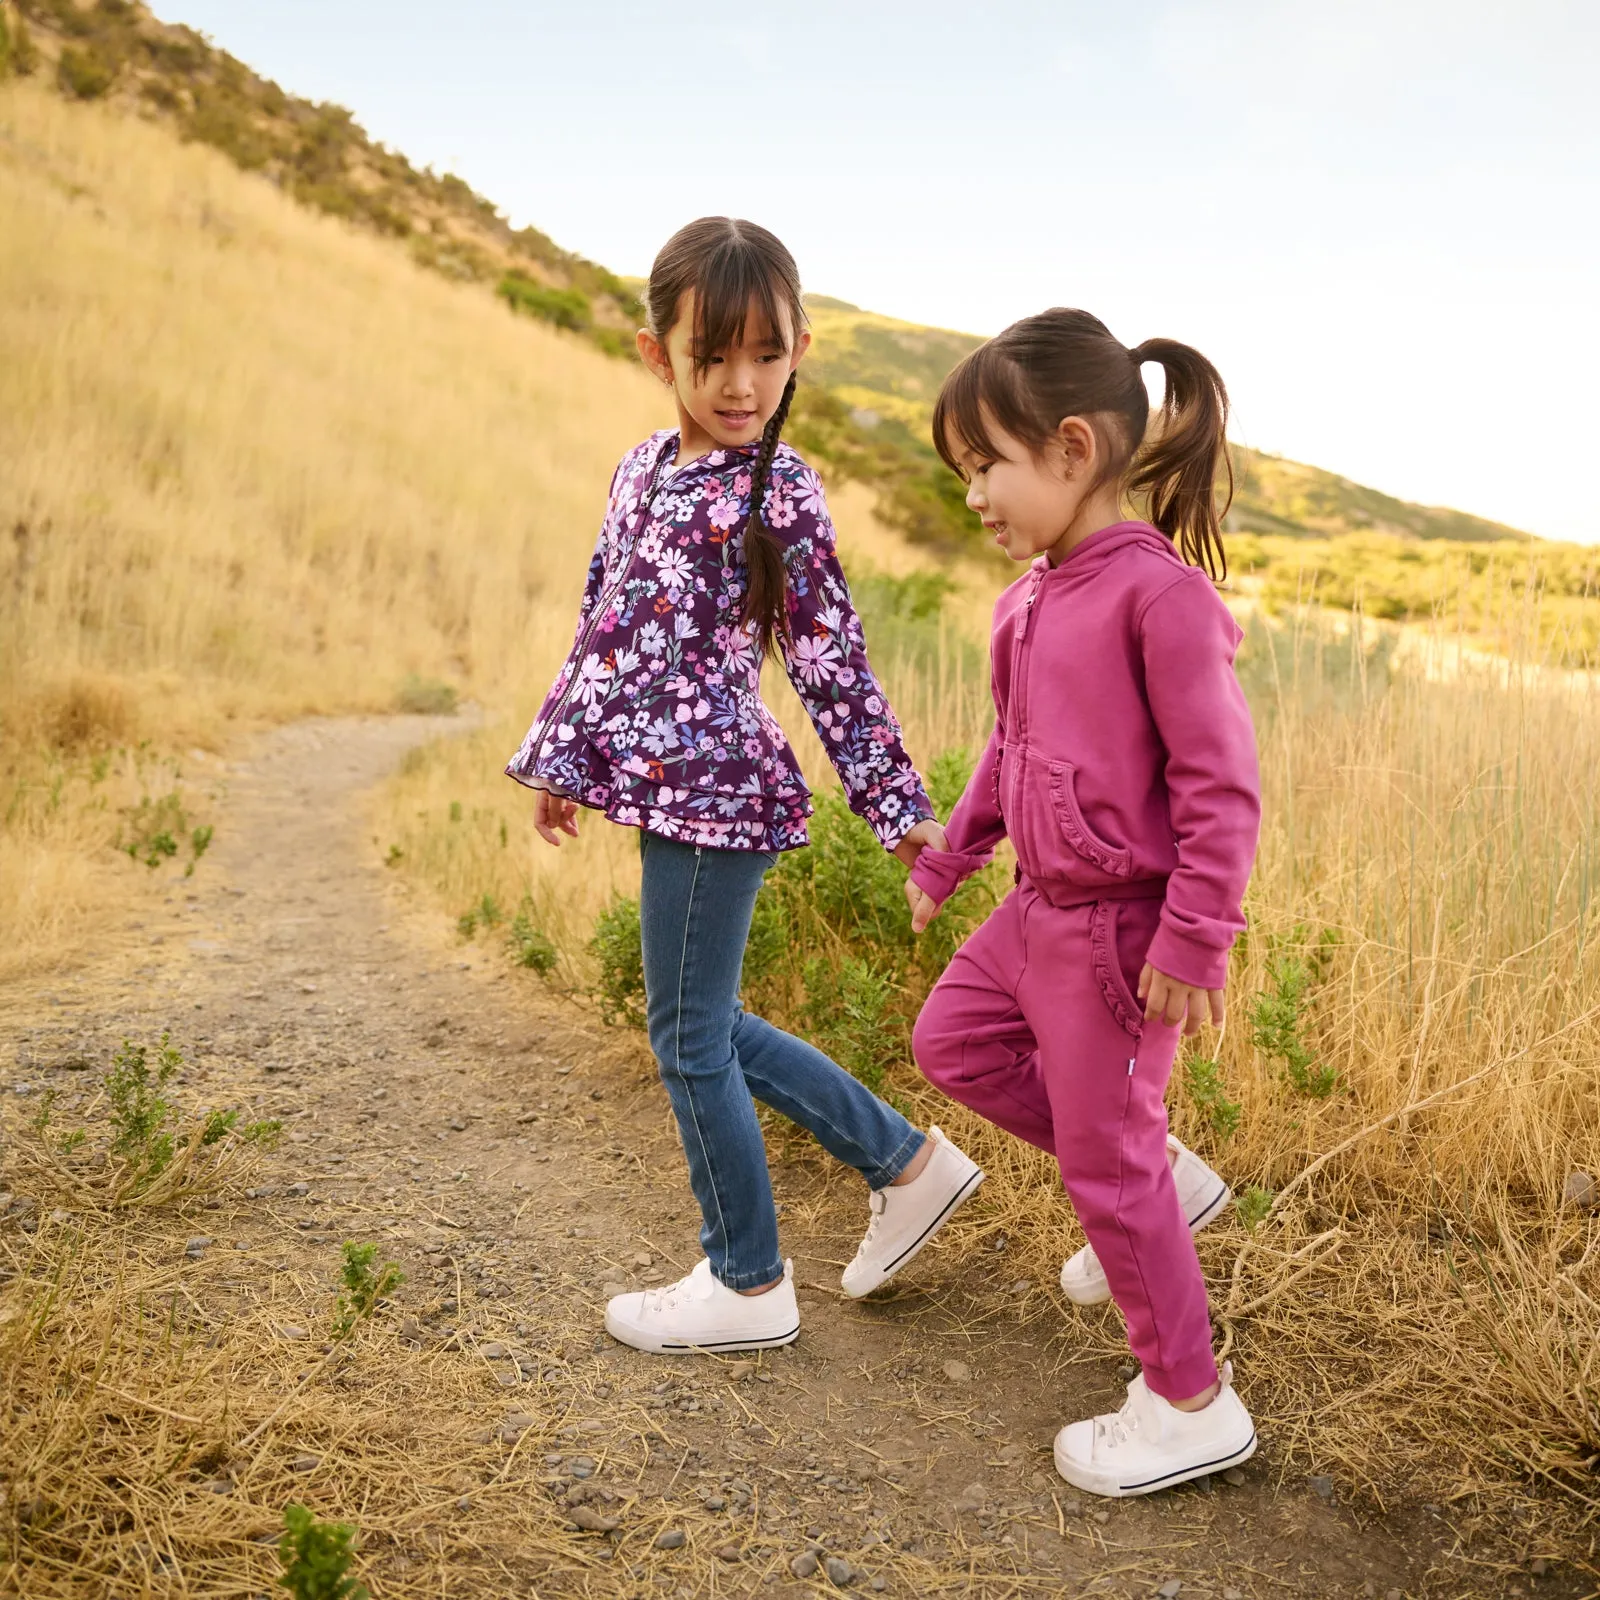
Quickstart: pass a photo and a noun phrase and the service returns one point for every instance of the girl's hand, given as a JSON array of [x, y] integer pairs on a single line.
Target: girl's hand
[[1167, 1000], [924, 908], [927, 835], [552, 812]]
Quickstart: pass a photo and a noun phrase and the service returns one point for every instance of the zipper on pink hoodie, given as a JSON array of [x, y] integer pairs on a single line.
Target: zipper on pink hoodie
[[1123, 761]]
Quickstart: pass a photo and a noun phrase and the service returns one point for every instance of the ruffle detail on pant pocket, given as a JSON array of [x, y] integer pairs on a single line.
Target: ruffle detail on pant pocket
[[1108, 968]]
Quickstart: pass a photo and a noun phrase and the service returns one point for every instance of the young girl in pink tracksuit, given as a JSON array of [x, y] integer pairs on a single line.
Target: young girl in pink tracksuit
[[1122, 767]]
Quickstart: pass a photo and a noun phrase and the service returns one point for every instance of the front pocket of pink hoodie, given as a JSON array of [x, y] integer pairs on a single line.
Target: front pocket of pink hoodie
[[1111, 859]]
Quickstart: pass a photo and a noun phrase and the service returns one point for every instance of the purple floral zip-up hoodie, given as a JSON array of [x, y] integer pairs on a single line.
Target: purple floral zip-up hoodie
[[657, 719]]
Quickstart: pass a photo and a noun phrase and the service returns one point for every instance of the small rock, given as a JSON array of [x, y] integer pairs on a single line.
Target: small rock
[[306, 1463], [729, 1552], [878, 1584], [1539, 1567], [299, 1190], [958, 1372], [973, 1498], [805, 1564], [670, 1539], [1321, 1486], [410, 1331], [715, 1502], [1235, 1476], [464, 1503], [1127, 1371], [1580, 1191], [1102, 1517], [1020, 1287], [196, 1245], [1233, 1594], [840, 1572], [58, 1216], [1393, 1594], [644, 1259], [591, 1521], [457, 1125], [290, 1331], [740, 1369], [580, 1467], [611, 1288], [493, 1351], [1171, 1589], [218, 1486]]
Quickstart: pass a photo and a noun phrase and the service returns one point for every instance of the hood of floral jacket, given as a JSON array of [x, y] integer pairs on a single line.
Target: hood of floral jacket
[[656, 717]]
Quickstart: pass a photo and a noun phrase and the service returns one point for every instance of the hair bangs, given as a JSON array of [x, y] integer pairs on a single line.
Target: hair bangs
[[980, 393], [735, 280]]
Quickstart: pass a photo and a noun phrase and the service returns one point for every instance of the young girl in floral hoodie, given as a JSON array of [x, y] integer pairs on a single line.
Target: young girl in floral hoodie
[[716, 548], [1122, 767]]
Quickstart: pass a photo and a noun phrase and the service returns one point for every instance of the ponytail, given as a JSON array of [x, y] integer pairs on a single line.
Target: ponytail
[[1176, 471], [766, 600]]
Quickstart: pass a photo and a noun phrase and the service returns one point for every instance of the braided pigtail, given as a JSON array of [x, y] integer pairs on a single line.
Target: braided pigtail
[[766, 600]]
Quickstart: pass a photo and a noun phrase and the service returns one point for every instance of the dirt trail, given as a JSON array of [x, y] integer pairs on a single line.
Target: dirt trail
[[515, 1158]]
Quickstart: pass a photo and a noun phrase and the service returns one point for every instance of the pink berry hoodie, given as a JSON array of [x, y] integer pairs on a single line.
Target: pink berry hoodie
[[1123, 761]]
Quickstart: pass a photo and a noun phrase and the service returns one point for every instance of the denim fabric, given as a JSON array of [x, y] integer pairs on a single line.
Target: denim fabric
[[695, 905]]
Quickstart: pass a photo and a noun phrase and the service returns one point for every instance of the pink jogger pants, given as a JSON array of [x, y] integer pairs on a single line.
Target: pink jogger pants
[[1035, 1026]]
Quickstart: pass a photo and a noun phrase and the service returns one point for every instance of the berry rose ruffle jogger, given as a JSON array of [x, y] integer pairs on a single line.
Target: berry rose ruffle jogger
[[1123, 768]]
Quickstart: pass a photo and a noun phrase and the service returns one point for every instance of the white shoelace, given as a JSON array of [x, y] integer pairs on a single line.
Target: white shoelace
[[1119, 1429], [878, 1202], [665, 1298]]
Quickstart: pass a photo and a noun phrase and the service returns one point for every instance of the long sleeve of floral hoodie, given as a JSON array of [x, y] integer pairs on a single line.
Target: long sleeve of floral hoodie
[[656, 718]]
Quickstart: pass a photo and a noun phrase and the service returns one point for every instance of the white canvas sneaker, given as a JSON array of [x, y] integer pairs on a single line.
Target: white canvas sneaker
[[1150, 1444], [906, 1218], [1201, 1193], [698, 1313]]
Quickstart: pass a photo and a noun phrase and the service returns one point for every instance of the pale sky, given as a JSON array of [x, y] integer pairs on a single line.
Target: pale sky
[[1380, 218]]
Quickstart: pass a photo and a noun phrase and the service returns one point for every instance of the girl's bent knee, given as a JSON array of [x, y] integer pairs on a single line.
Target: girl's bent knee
[[936, 1047]]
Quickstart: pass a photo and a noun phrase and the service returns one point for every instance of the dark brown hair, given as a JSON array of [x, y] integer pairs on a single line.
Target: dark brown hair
[[1065, 363], [729, 264]]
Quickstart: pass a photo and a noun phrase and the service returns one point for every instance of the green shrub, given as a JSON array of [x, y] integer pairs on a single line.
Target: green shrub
[[848, 1015], [427, 697], [316, 1558], [141, 1114], [530, 945], [618, 950], [566, 308], [485, 912], [1278, 1012], [1202, 1076], [363, 1287], [83, 74]]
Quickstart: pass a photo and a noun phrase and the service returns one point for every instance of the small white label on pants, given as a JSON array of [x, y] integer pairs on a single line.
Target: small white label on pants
[[1131, 1060]]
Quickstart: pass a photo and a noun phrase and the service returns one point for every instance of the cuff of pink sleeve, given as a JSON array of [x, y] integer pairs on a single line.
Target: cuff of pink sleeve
[[1189, 960], [939, 873]]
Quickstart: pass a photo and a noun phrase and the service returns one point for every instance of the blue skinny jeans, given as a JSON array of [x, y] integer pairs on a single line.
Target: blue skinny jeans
[[695, 906]]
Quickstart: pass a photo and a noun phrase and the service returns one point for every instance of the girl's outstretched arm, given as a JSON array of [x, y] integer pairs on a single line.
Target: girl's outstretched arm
[[826, 659]]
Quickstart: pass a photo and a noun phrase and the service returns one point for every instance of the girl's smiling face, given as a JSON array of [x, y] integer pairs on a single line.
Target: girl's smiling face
[[725, 397]]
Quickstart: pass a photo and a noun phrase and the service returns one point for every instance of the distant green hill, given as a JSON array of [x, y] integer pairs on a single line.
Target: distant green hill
[[890, 371], [870, 381]]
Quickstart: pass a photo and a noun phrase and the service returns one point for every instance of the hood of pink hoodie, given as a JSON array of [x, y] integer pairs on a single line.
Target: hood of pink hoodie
[[1123, 760]]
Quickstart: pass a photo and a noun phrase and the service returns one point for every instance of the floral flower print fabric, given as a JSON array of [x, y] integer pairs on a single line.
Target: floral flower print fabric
[[657, 718]]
